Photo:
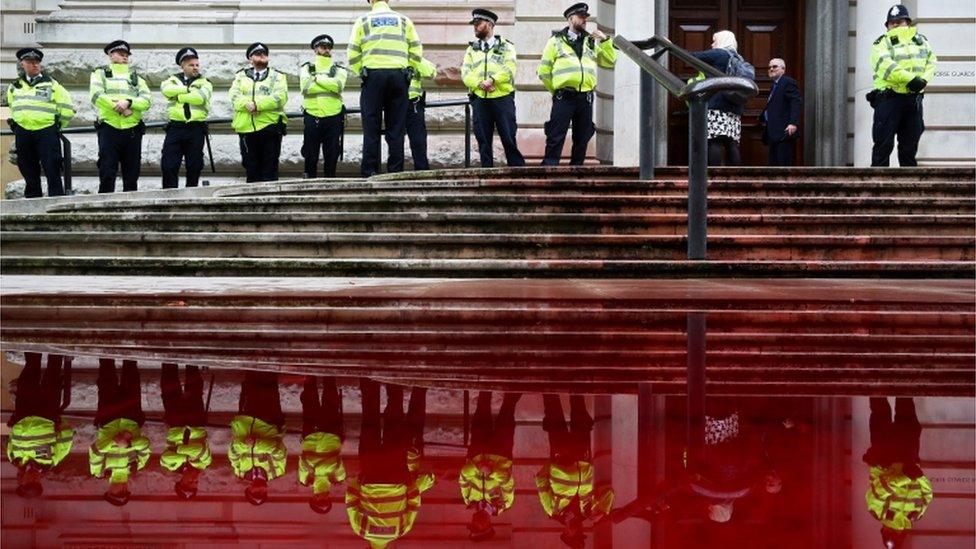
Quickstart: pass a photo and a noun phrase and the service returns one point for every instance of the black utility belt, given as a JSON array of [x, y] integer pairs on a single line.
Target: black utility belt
[[570, 92], [179, 124]]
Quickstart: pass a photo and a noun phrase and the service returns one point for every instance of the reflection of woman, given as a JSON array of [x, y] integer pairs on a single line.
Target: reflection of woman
[[724, 116]]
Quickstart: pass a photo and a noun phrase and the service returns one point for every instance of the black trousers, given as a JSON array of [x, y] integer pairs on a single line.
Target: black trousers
[[724, 151], [383, 98], [781, 153], [417, 131], [384, 441], [182, 403], [37, 395], [497, 438], [897, 115], [260, 151], [894, 439], [118, 397], [260, 397], [323, 134], [323, 415], [567, 443], [183, 140], [39, 150], [569, 107], [117, 147], [492, 114]]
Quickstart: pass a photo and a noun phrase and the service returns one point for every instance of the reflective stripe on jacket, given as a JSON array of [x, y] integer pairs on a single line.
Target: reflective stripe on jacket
[[896, 499], [188, 101], [498, 64], [106, 455], [560, 68], [39, 105], [256, 444], [559, 484], [383, 39], [321, 462], [115, 83], [322, 84], [269, 95], [186, 445], [898, 56], [38, 439], [381, 513], [488, 478]]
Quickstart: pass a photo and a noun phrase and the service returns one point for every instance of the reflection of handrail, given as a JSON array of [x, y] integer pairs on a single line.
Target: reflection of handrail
[[696, 93]]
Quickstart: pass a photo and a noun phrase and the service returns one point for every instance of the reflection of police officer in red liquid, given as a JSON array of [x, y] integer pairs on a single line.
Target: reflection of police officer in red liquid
[[257, 452], [320, 465], [187, 450]]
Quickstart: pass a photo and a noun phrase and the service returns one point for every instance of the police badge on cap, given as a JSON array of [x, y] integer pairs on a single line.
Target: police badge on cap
[[577, 9], [479, 15], [256, 47], [898, 13], [186, 53], [322, 40], [29, 53], [118, 45]]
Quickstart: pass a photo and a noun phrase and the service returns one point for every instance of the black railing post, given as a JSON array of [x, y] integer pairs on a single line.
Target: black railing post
[[66, 164], [467, 135], [697, 177], [696, 389], [647, 139]]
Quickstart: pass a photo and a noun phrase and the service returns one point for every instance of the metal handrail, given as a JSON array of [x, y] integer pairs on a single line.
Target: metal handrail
[[696, 94]]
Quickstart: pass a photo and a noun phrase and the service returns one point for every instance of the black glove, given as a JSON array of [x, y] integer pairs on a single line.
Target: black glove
[[917, 84]]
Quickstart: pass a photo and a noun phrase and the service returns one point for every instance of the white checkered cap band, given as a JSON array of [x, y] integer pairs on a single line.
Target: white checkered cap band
[[120, 47], [482, 18], [189, 53], [325, 41]]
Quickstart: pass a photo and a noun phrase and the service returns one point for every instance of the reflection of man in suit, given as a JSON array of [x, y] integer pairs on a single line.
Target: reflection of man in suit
[[781, 117]]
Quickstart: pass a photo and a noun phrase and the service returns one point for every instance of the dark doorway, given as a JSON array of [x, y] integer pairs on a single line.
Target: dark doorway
[[764, 29]]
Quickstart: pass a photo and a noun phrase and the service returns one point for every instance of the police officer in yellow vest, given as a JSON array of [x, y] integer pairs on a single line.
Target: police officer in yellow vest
[[258, 96], [903, 65], [487, 481], [39, 108], [120, 448], [417, 114], [383, 501], [569, 69], [187, 450], [39, 441], [188, 94], [488, 71], [566, 482], [899, 492], [257, 452], [320, 465], [121, 97], [322, 81], [382, 47]]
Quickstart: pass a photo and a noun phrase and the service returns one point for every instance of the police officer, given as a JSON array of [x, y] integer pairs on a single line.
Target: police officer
[[188, 94], [187, 450], [121, 97], [40, 107], [417, 114], [382, 46], [257, 452], [488, 71], [320, 465], [322, 81], [903, 64], [568, 70], [258, 96]]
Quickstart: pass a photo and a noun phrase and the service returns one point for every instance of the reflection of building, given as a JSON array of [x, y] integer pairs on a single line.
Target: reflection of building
[[812, 35]]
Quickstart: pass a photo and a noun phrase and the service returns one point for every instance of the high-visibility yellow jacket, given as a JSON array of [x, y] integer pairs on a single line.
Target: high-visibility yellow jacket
[[115, 83], [488, 478], [425, 70], [189, 100], [383, 39], [105, 454], [558, 484], [322, 82], [40, 440], [560, 68], [39, 105], [895, 499], [498, 64], [898, 56], [256, 444], [186, 445], [381, 513], [320, 465], [269, 95]]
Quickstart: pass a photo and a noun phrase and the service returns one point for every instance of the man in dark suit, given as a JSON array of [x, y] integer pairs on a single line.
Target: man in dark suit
[[781, 117]]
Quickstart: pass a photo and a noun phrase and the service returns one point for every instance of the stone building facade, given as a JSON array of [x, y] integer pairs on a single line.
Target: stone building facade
[[827, 40]]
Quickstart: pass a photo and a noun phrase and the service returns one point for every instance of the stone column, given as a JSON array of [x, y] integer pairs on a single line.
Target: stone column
[[634, 21], [825, 90]]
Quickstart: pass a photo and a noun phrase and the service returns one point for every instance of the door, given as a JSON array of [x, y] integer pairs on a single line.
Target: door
[[764, 29]]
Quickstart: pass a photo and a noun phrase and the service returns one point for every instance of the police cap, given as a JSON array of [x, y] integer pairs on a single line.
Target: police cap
[[898, 13], [186, 53], [483, 15], [257, 47], [577, 9], [29, 53], [322, 40], [118, 45]]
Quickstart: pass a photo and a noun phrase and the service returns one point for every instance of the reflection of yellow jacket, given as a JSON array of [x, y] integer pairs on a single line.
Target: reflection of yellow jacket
[[105, 454], [38, 439], [558, 484], [321, 462], [895, 499], [488, 478], [256, 444], [186, 445], [381, 513]]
